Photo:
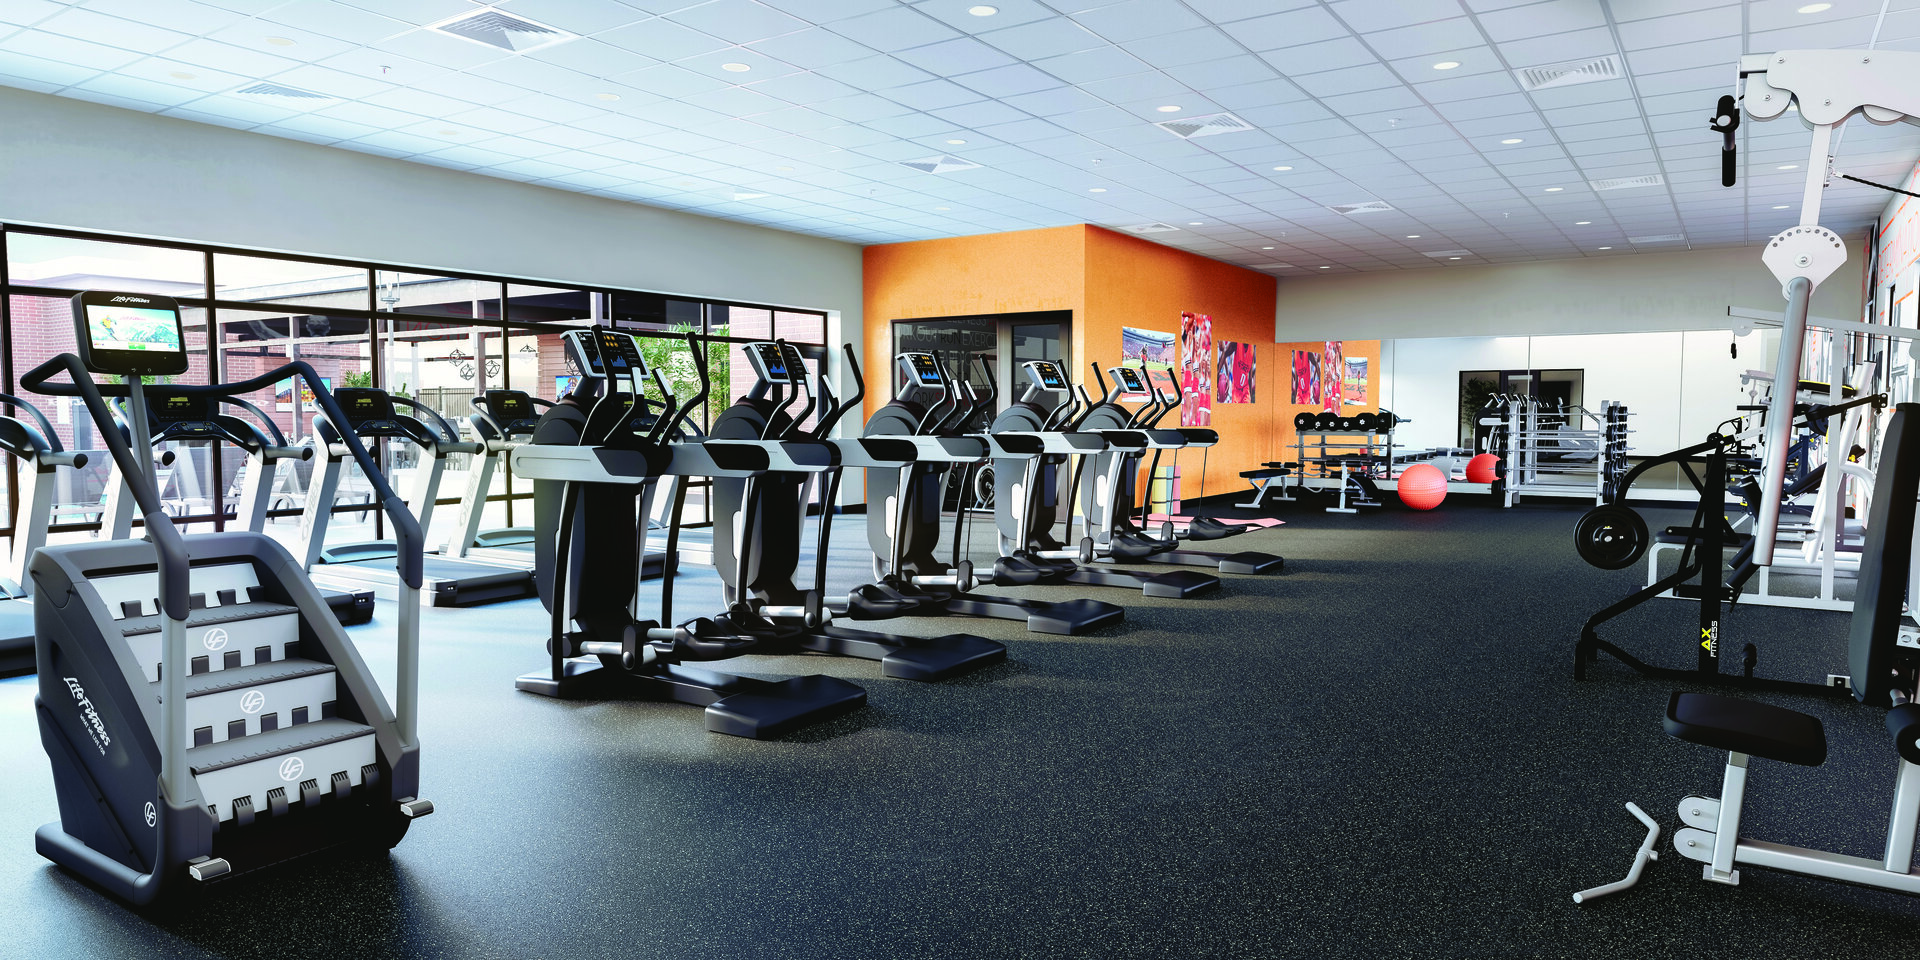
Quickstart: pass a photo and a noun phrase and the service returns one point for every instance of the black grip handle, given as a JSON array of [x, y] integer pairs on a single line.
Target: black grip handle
[[1727, 162]]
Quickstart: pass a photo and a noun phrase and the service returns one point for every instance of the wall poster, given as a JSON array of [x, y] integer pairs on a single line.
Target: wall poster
[[1146, 348], [1306, 376], [1196, 370], [1236, 373], [1333, 370], [1354, 388]]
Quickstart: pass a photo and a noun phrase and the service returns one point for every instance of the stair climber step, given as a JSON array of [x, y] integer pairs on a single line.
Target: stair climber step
[[216, 639], [269, 772], [242, 701]]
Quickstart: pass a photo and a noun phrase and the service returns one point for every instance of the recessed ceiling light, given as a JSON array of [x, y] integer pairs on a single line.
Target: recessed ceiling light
[[1788, 166], [1816, 8], [1453, 258], [784, 169], [1555, 189], [1283, 169], [1780, 206], [1582, 223], [956, 142], [447, 132], [1513, 140], [1606, 248], [1266, 248], [609, 97], [1169, 108], [280, 41], [735, 67], [1446, 65], [983, 10], [941, 209], [1413, 236], [1096, 189], [1326, 268], [183, 75], [1196, 223]]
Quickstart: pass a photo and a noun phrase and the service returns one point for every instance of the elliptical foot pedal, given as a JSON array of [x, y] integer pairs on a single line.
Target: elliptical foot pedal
[[764, 709], [938, 658], [208, 868], [1071, 617]]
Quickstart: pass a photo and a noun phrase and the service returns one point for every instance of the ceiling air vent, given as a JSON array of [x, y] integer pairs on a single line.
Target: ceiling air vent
[[1568, 74], [1365, 206], [1623, 183], [940, 164], [501, 30], [281, 91], [1658, 238], [1212, 125], [1151, 228], [1446, 253]]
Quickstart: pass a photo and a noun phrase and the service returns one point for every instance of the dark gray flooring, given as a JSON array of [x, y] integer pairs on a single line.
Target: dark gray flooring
[[1381, 753]]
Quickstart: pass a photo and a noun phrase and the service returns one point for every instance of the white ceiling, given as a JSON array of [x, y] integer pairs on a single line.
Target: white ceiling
[[1055, 100]]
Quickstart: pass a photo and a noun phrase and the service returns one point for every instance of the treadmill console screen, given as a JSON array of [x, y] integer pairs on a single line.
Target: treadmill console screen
[[127, 333], [587, 349], [509, 405], [620, 353], [770, 363], [925, 369], [178, 407], [1044, 374], [365, 406], [1129, 380]]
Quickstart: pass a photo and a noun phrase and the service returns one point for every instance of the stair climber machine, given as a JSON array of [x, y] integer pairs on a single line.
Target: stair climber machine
[[36, 450], [370, 414], [759, 522], [904, 515], [596, 460], [1162, 388], [174, 415], [203, 711], [1028, 490], [503, 420], [1107, 483]]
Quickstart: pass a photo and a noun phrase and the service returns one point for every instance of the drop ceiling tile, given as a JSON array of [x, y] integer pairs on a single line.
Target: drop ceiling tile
[[669, 80], [1467, 88], [162, 70], [1293, 29], [1424, 39], [931, 94], [916, 125], [896, 28], [738, 21], [419, 12], [1138, 19], [582, 17], [1841, 33], [374, 116], [813, 48], [330, 129], [92, 56], [149, 94], [1012, 12], [1139, 86], [861, 107], [1186, 47], [111, 31], [1371, 100], [438, 49], [1540, 19], [1365, 16], [337, 20], [591, 57], [1090, 65], [804, 88], [1350, 80], [336, 83], [950, 57], [416, 102], [1559, 48], [496, 121], [662, 39], [875, 73]]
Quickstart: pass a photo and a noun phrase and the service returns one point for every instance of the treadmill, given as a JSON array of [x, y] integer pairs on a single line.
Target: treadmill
[[447, 582], [36, 448], [184, 416]]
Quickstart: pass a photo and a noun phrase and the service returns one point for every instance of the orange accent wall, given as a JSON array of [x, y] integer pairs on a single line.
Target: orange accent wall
[[1109, 280]]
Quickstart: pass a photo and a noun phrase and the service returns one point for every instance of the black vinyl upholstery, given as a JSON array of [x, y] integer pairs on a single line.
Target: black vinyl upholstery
[[1746, 726], [1882, 590]]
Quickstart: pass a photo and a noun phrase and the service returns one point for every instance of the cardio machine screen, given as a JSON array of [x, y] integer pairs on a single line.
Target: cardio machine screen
[[364, 404], [590, 354], [1129, 380], [925, 368], [1047, 375], [129, 333], [772, 363], [177, 407], [617, 350], [509, 405], [132, 328]]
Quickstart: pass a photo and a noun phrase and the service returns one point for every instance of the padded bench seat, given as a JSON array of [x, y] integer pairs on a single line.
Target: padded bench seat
[[1265, 473], [1746, 726]]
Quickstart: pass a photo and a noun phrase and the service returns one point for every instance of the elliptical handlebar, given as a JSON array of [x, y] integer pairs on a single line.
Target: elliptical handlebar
[[832, 417], [666, 426]]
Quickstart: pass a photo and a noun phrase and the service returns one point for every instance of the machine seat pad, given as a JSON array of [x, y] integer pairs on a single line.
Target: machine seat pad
[[1746, 726], [1264, 474]]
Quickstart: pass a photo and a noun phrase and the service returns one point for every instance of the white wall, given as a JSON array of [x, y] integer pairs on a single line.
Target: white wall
[[1672, 290]]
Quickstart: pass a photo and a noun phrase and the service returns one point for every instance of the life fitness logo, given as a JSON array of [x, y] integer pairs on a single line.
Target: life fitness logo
[[291, 768], [252, 702], [215, 639], [89, 717], [129, 300]]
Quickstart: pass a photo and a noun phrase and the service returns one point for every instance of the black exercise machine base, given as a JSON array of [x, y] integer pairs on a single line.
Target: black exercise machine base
[[1176, 585], [1063, 618], [1589, 649], [351, 607], [1248, 562], [475, 591], [929, 659], [736, 706]]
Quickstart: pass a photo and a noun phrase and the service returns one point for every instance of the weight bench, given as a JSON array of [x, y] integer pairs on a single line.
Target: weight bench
[[1263, 481]]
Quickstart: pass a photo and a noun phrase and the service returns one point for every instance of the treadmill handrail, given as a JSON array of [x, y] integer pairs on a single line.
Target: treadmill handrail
[[48, 435], [448, 437]]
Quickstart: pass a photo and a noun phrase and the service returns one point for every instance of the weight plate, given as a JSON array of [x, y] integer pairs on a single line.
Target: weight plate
[[1326, 421], [1346, 423], [1303, 421], [1365, 422], [1385, 420], [1611, 537]]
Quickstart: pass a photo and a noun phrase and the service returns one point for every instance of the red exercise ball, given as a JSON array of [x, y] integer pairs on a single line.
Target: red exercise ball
[[1423, 486], [1480, 468]]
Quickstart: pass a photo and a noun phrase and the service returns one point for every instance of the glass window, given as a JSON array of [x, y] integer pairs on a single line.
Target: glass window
[[435, 296], [42, 261], [271, 280]]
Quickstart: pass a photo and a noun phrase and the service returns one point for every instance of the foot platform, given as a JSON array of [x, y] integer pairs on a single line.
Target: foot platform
[[736, 706]]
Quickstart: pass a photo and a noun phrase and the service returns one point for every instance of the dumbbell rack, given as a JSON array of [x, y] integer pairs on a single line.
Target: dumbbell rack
[[1529, 437]]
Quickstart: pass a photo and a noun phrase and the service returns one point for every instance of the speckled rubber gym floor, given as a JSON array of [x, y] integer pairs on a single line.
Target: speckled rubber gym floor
[[1380, 753]]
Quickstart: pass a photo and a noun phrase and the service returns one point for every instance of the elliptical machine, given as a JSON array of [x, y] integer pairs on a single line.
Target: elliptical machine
[[1028, 491], [596, 460], [1107, 483], [36, 446], [203, 711], [904, 515]]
